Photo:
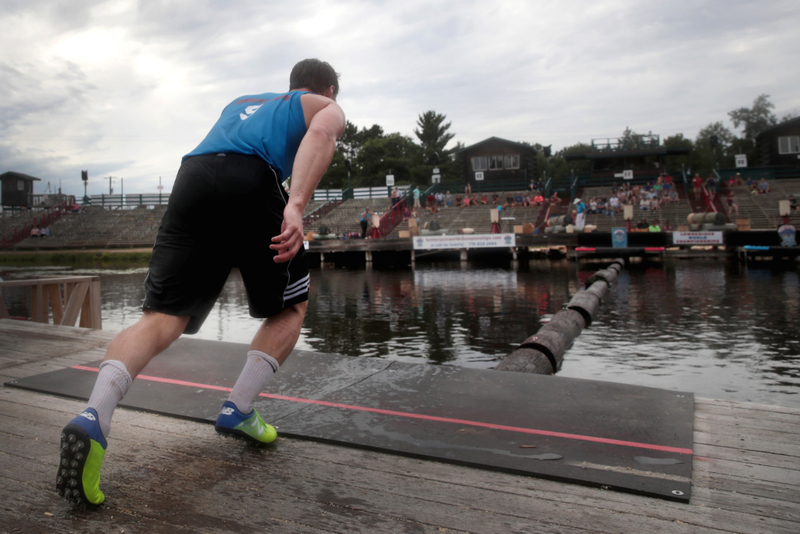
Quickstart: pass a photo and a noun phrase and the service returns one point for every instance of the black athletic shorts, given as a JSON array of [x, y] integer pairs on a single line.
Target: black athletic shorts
[[223, 212]]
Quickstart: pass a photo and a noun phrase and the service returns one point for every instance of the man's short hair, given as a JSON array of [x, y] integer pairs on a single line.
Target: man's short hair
[[315, 75]]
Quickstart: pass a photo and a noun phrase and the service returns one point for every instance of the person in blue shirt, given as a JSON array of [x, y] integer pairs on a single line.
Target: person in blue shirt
[[580, 207], [232, 180]]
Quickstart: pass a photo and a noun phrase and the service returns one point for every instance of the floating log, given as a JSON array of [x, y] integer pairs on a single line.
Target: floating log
[[543, 352]]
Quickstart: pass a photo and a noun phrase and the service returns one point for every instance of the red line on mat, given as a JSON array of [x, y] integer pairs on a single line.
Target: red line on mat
[[521, 430]]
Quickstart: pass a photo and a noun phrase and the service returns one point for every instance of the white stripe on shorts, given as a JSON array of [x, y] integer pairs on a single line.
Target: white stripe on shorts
[[297, 288]]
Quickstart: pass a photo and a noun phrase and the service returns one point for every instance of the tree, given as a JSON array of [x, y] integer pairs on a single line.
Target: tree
[[679, 141], [433, 135], [709, 153], [394, 152], [759, 117], [348, 146]]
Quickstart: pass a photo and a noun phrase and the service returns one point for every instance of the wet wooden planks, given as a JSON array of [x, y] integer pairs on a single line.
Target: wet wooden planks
[[168, 475]]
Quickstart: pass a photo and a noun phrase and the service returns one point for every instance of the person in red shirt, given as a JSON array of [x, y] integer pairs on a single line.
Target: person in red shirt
[[697, 184]]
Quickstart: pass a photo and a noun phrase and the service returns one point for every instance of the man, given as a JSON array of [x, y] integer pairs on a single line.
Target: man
[[416, 197], [233, 179], [580, 219], [697, 184], [366, 216]]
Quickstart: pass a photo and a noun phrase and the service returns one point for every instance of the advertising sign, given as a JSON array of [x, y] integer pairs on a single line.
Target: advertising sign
[[440, 242], [697, 238], [619, 237]]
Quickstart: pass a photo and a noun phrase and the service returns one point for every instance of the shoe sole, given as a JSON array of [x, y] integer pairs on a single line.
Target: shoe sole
[[232, 432], [75, 446]]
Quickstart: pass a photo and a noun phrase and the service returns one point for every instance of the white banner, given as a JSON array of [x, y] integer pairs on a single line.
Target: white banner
[[697, 238], [464, 241]]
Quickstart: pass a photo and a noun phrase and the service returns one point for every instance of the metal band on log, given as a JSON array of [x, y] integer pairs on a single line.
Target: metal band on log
[[543, 353]]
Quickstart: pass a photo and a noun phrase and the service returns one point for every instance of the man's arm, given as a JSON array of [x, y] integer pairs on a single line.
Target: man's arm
[[313, 157]]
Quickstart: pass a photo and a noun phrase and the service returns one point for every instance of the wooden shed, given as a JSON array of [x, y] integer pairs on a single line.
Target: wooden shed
[[495, 161], [779, 145], [17, 189]]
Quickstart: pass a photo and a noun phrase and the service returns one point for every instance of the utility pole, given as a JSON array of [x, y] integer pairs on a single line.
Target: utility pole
[[110, 184]]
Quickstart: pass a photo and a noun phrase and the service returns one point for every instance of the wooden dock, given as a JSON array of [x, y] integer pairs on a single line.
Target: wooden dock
[[170, 475]]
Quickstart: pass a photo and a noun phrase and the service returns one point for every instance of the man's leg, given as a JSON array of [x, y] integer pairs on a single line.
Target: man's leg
[[272, 344], [83, 440]]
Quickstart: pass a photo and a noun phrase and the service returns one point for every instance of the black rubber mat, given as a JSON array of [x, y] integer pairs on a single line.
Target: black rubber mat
[[617, 436]]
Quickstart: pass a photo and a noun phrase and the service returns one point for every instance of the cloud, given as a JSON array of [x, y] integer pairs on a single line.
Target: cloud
[[125, 88]]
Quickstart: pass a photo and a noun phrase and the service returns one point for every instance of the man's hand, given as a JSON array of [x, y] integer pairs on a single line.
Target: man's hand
[[288, 243]]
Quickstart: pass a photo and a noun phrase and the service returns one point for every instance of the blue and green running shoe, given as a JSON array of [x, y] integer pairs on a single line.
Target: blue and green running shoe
[[83, 448], [251, 426]]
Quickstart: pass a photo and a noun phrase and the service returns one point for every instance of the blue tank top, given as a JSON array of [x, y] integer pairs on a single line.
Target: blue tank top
[[270, 125]]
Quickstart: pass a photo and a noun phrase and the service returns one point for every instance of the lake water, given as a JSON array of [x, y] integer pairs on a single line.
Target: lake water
[[711, 327]]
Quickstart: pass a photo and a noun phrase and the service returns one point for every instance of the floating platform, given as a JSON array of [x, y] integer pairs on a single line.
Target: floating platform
[[750, 253]]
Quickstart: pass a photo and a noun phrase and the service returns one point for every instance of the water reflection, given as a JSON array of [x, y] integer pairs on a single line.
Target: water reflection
[[710, 327]]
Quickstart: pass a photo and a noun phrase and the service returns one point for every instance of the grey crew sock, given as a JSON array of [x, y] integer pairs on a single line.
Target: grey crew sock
[[113, 382], [256, 373]]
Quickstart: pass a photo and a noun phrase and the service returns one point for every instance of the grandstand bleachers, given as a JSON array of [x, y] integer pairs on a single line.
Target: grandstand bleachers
[[97, 227]]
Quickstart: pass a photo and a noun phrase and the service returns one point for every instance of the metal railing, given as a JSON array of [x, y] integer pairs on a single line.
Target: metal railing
[[132, 200]]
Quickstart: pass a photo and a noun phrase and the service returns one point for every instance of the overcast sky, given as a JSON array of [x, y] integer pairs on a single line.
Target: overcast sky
[[125, 88]]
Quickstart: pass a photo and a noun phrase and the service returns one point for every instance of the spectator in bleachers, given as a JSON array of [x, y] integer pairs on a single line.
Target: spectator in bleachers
[[509, 202], [519, 200], [495, 199], [697, 185], [416, 197], [601, 206], [748, 182], [538, 200], [643, 225], [458, 201], [466, 201], [448, 199], [554, 199], [737, 180], [732, 205], [430, 202], [484, 200], [763, 186], [666, 181], [439, 199], [654, 227], [467, 190], [614, 205], [365, 218], [35, 232], [394, 197], [644, 204], [792, 202], [580, 213], [44, 232], [672, 197], [754, 190]]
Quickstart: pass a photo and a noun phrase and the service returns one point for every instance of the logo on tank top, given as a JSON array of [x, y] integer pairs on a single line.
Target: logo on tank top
[[248, 112]]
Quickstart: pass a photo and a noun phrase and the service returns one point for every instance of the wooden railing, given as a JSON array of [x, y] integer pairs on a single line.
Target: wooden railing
[[67, 298]]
